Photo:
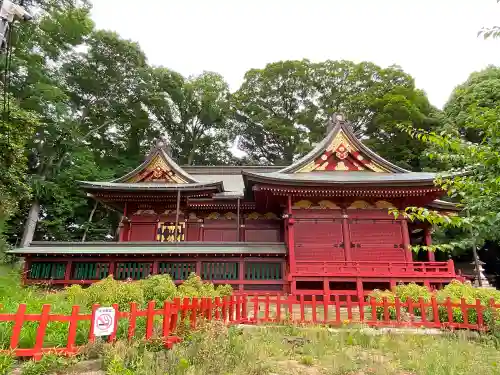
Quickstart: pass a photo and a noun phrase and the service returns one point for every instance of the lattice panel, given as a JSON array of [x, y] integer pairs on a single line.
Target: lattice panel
[[373, 240], [319, 240]]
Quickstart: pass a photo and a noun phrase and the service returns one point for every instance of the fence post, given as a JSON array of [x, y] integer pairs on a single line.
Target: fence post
[[231, 308], [244, 311], [175, 315], [217, 308], [167, 314], [411, 310], [465, 313], [397, 306], [361, 308], [386, 310], [449, 310], [150, 319], [349, 307], [40, 332], [194, 310], [73, 325], [224, 308], [326, 300], [18, 325], [313, 309], [278, 308], [479, 312], [423, 312], [112, 337], [302, 309], [132, 318], [373, 304], [209, 309], [336, 298], [238, 308], [266, 309], [435, 311], [95, 306]]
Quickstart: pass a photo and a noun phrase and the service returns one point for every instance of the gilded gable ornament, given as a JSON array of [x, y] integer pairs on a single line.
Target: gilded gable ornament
[[230, 216], [384, 204], [326, 204], [213, 216], [360, 204], [302, 204], [253, 216]]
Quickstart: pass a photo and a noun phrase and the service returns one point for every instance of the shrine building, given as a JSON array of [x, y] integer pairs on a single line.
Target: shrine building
[[319, 226]]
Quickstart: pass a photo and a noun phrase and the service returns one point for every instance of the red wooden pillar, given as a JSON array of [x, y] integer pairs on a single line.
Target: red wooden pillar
[[198, 268], [123, 225], [346, 235], [26, 270], [406, 241], [242, 274], [428, 242], [67, 272], [291, 237]]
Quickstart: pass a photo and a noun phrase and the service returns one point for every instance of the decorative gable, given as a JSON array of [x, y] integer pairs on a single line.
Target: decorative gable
[[158, 167], [341, 150], [342, 155], [157, 170]]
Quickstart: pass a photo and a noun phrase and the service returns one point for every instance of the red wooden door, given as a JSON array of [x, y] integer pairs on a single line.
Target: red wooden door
[[376, 240], [319, 240]]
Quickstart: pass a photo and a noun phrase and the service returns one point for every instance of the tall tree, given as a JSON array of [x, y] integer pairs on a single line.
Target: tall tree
[[195, 114], [15, 132], [285, 106], [481, 90], [41, 47], [273, 105]]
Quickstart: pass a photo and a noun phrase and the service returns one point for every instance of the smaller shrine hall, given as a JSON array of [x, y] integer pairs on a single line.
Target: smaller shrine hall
[[319, 226]]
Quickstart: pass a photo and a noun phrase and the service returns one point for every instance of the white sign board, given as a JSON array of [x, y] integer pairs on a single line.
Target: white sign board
[[104, 321]]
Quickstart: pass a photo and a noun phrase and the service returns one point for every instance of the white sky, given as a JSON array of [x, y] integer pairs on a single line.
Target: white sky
[[433, 40]]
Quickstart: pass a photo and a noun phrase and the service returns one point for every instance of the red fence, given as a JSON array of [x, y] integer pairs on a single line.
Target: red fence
[[239, 309]]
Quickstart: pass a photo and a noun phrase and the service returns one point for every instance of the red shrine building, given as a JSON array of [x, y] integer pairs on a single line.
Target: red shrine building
[[321, 225]]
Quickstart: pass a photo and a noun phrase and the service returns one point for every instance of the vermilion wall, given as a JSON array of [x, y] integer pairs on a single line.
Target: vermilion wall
[[144, 228], [357, 235]]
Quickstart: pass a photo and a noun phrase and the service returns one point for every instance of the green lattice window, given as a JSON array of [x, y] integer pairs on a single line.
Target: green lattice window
[[263, 271], [90, 271], [177, 271], [132, 270], [220, 271], [47, 271]]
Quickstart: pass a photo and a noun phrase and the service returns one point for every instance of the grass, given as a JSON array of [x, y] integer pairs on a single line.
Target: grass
[[217, 350]]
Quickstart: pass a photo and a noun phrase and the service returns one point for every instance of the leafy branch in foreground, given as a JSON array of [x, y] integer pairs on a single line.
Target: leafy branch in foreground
[[473, 180]]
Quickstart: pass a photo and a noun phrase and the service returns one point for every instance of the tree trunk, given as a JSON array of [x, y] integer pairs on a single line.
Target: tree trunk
[[84, 237], [30, 223]]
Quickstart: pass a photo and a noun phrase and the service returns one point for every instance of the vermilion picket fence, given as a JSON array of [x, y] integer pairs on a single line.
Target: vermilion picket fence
[[164, 322]]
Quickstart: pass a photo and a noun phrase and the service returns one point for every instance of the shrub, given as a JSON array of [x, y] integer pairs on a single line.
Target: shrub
[[6, 363], [379, 296], [49, 364], [457, 290], [158, 288], [195, 287]]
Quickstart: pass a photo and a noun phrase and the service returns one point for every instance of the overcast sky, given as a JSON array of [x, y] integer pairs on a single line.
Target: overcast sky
[[433, 40]]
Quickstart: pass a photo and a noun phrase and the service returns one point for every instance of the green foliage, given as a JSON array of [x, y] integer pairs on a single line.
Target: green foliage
[[49, 363], [215, 350], [195, 287], [158, 288], [6, 363], [284, 107]]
